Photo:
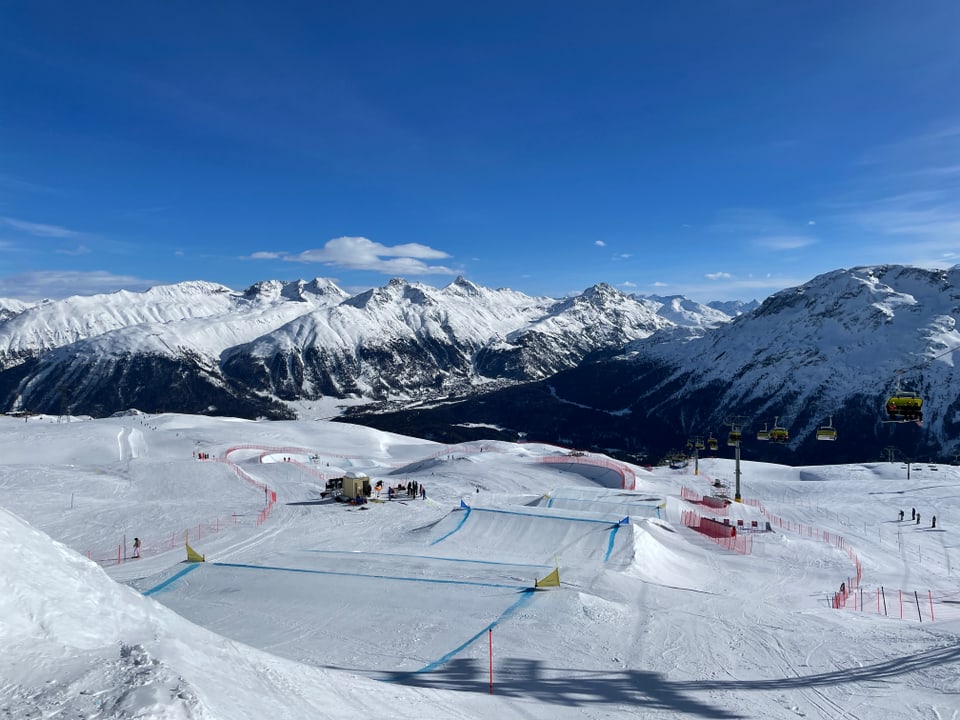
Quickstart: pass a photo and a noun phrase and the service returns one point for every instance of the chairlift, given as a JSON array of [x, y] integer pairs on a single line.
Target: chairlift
[[903, 405], [733, 439], [764, 434], [712, 443], [778, 433], [827, 432]]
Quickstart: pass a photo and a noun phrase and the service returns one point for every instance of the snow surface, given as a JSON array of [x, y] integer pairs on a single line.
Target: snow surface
[[310, 608]]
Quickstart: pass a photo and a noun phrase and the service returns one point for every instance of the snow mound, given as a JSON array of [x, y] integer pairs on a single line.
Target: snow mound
[[78, 644]]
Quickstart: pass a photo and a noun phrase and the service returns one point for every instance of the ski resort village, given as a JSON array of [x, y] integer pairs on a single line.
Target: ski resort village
[[180, 566]]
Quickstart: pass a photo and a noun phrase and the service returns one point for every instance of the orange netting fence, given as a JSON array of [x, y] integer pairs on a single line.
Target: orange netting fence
[[721, 532], [628, 480]]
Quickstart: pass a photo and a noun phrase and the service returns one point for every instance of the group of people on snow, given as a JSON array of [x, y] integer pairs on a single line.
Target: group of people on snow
[[915, 517]]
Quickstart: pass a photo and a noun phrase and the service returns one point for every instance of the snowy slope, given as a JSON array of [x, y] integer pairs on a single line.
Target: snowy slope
[[832, 346], [325, 610]]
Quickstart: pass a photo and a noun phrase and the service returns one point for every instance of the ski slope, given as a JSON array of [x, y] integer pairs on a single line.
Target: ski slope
[[311, 608]]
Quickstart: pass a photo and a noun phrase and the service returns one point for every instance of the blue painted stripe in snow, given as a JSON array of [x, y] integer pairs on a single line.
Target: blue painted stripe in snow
[[170, 580], [525, 598], [613, 536], [459, 525], [544, 517], [399, 578], [367, 554], [604, 502]]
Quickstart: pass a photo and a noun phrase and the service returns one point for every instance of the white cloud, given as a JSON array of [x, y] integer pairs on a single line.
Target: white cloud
[[784, 242], [600, 243], [623, 256], [78, 250], [39, 229], [360, 253], [628, 284], [32, 286], [718, 276], [661, 284], [811, 222]]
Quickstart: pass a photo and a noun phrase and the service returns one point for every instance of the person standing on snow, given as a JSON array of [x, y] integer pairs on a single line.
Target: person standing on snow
[[136, 547]]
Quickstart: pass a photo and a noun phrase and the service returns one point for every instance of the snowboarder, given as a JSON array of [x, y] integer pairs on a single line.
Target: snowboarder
[[901, 516], [136, 547]]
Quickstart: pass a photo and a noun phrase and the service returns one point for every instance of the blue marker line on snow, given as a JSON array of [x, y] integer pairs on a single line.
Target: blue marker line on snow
[[166, 583], [542, 517], [399, 578], [366, 554], [525, 598], [613, 536], [459, 525]]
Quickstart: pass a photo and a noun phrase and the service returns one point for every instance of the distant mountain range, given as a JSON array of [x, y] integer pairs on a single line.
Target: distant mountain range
[[203, 348], [633, 375]]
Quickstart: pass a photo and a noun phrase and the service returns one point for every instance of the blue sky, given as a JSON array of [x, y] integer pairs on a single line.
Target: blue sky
[[721, 150]]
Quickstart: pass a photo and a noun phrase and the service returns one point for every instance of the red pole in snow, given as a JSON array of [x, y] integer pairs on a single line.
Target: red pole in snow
[[901, 604], [930, 594], [119, 548], [490, 639]]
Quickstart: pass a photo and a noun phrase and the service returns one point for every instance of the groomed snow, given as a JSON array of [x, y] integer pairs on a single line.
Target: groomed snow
[[322, 609]]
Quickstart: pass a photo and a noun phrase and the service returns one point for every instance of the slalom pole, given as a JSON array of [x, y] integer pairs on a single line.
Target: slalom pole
[[930, 594], [490, 641]]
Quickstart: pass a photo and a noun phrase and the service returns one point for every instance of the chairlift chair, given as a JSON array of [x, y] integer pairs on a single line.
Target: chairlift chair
[[827, 432]]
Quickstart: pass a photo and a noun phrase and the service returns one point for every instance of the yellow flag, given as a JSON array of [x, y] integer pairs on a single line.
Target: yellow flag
[[551, 580], [194, 556]]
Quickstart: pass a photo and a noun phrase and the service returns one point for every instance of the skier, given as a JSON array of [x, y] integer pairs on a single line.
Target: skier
[[423, 493], [901, 516], [913, 513], [918, 518], [933, 521], [136, 547]]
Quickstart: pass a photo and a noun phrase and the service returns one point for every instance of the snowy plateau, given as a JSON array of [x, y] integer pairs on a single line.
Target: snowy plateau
[[428, 607]]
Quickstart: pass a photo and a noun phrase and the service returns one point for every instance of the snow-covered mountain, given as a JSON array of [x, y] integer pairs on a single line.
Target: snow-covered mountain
[[689, 313], [10, 308], [832, 348], [203, 348]]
